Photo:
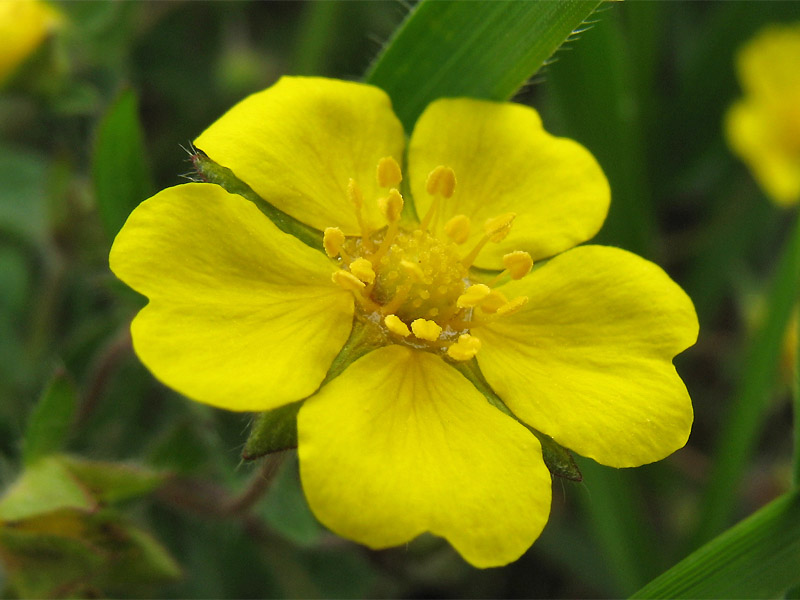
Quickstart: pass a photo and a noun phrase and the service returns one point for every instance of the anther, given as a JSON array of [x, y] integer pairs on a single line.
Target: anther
[[426, 330], [465, 348], [497, 228], [414, 270], [518, 264], [389, 174], [396, 326], [346, 280], [362, 269], [332, 241], [509, 308], [391, 206], [493, 302], [457, 229], [474, 295], [441, 182]]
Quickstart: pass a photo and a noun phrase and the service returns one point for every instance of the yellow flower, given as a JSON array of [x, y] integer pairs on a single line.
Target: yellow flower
[[763, 128], [245, 317], [24, 24]]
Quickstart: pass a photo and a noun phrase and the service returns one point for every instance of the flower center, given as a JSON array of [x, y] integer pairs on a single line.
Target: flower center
[[414, 285]]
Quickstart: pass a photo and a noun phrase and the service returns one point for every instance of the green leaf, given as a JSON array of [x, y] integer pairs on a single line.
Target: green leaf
[[119, 168], [483, 49], [746, 413], [45, 486], [285, 508], [112, 482], [757, 558], [51, 419]]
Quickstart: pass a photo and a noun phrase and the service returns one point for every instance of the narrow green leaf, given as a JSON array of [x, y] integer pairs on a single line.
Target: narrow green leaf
[[483, 49], [757, 558], [112, 482], [120, 171], [746, 413], [51, 419]]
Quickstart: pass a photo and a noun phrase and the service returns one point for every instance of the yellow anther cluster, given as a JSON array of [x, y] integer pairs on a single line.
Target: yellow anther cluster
[[415, 284], [457, 229], [497, 228], [333, 239], [518, 264], [391, 206], [441, 182], [362, 269], [465, 348], [474, 295], [426, 330], [389, 174]]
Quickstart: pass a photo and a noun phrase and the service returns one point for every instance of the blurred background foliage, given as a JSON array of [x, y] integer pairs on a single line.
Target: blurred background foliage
[[100, 117]]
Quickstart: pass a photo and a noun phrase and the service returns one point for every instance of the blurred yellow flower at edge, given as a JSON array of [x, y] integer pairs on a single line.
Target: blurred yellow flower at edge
[[245, 317], [24, 25], [763, 128]]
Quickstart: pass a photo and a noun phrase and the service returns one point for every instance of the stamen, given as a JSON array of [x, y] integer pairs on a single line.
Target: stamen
[[509, 308], [493, 302], [346, 280], [465, 348], [474, 295], [362, 269], [457, 229], [391, 206], [426, 330], [357, 199], [518, 264], [414, 270], [441, 183], [395, 325], [333, 240], [396, 302], [389, 174], [497, 228]]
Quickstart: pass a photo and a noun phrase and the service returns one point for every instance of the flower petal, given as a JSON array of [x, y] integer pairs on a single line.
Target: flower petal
[[755, 133], [588, 359], [505, 161], [401, 443], [299, 142], [241, 315]]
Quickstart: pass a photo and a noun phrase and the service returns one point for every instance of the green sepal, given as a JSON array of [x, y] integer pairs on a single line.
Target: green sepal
[[211, 172], [558, 459], [276, 430], [109, 482]]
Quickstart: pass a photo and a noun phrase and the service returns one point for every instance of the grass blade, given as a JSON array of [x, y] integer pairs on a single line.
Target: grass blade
[[757, 558], [482, 49]]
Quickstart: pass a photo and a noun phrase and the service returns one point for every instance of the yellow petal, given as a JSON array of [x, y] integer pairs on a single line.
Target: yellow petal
[[299, 142], [768, 65], [756, 133], [241, 315], [401, 443], [588, 359], [23, 26], [506, 163]]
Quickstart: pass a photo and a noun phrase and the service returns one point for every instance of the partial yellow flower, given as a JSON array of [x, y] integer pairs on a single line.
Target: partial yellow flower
[[763, 128], [246, 317], [24, 24]]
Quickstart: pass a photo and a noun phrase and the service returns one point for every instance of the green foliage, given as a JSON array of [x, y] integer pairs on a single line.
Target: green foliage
[[120, 171], [51, 420], [484, 49], [100, 461]]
